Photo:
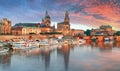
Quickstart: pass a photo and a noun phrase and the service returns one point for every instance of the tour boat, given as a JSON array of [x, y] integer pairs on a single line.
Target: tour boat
[[43, 43], [79, 42], [48, 42], [109, 38], [2, 43], [24, 45], [3, 50]]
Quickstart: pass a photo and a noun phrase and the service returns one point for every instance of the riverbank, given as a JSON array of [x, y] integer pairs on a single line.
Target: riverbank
[[33, 37], [27, 37]]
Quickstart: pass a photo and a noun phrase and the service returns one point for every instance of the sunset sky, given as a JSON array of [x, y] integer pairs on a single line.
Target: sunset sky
[[84, 14]]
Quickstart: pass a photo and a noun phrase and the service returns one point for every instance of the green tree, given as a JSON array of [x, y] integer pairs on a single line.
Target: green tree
[[117, 33], [88, 32]]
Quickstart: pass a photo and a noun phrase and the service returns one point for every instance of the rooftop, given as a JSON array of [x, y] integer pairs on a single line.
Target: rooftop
[[29, 25], [106, 26]]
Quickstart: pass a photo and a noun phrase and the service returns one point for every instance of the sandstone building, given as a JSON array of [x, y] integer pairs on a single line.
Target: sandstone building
[[5, 27]]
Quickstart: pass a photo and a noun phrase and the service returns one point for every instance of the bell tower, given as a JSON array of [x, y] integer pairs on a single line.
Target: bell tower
[[66, 19], [47, 19]]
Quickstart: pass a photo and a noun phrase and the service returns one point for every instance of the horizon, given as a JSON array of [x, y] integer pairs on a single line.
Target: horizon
[[83, 14]]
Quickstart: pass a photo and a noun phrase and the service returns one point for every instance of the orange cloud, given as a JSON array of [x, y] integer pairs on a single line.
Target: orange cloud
[[97, 12]]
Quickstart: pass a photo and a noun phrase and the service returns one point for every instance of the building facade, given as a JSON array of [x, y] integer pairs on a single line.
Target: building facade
[[25, 28], [77, 32], [5, 27], [103, 30], [33, 28], [64, 27], [46, 20]]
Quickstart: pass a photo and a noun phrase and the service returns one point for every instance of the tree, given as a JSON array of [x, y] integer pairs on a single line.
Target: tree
[[88, 32], [117, 33]]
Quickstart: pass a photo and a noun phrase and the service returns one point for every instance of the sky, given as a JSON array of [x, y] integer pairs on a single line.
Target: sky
[[84, 14]]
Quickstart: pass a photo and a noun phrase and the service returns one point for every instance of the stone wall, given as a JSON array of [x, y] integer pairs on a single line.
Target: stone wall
[[34, 37]]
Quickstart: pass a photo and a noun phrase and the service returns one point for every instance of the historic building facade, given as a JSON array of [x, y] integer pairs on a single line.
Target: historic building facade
[[25, 30], [37, 28], [77, 32], [46, 20], [33, 28], [5, 27], [64, 27], [103, 30]]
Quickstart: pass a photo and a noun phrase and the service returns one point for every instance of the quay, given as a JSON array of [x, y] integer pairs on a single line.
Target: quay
[[39, 37], [27, 37]]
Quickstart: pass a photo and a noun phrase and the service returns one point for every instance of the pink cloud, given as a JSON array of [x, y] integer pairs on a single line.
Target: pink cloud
[[107, 13]]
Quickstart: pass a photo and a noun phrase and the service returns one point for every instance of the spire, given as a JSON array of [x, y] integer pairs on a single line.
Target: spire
[[66, 14], [47, 15], [66, 17]]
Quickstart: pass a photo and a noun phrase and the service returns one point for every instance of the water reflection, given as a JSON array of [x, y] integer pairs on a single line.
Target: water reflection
[[46, 56], [69, 58], [103, 46], [43, 53], [117, 44], [65, 51], [5, 60]]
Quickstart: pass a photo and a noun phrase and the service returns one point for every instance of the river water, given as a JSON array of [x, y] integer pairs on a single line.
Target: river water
[[91, 56]]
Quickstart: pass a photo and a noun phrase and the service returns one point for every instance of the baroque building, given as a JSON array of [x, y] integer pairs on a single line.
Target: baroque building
[[25, 28], [46, 20], [64, 27], [103, 30], [5, 26], [33, 28]]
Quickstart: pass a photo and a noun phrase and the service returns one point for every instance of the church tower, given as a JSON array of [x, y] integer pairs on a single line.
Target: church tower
[[66, 19], [5, 26], [64, 26], [47, 19]]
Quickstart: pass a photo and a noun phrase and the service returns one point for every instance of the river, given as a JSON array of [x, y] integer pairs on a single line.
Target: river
[[91, 56]]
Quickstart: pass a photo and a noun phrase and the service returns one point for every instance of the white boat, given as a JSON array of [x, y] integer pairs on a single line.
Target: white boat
[[2, 43], [106, 39], [3, 50], [79, 42], [43, 43], [109, 38], [23, 48], [53, 41], [24, 45]]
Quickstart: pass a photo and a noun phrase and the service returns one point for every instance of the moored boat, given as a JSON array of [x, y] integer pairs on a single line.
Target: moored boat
[[3, 50], [24, 45]]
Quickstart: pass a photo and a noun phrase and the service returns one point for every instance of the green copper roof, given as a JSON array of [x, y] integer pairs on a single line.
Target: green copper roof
[[29, 25], [26, 25]]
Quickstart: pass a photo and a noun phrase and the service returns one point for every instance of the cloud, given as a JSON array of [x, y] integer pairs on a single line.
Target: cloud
[[85, 12], [99, 16], [99, 11]]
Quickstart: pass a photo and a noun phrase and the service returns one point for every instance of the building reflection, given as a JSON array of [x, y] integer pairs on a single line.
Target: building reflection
[[65, 51], [46, 56], [102, 46], [43, 53], [5, 60], [93, 45], [117, 44], [88, 42]]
